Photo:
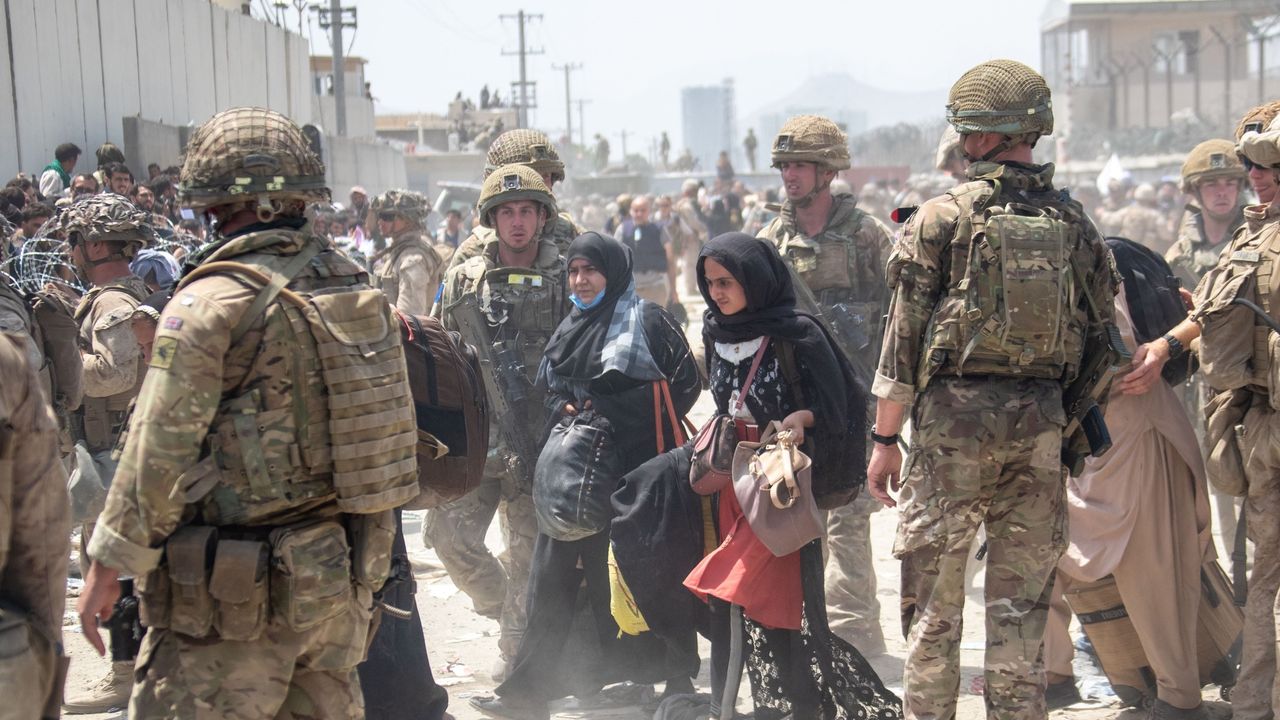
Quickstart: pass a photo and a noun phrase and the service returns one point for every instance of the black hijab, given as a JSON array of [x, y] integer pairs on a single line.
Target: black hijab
[[576, 348], [771, 310]]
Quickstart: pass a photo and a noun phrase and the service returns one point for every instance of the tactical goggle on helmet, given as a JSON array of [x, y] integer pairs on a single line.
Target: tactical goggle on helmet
[[1260, 148]]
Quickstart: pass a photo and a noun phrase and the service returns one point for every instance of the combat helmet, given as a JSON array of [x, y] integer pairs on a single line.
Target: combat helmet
[[410, 205], [1210, 160], [1001, 96], [1262, 148], [107, 217], [811, 138], [250, 154], [510, 183], [1258, 118], [525, 147]]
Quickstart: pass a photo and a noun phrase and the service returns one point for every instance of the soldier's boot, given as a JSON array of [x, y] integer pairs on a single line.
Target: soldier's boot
[[110, 692]]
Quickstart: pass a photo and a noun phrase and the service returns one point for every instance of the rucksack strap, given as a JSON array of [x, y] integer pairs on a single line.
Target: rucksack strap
[[273, 284]]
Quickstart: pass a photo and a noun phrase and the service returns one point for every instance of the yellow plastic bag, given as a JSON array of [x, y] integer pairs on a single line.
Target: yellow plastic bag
[[622, 604]]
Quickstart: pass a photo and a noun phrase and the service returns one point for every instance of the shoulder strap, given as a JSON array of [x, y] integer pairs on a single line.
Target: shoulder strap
[[791, 373], [751, 376], [273, 284]]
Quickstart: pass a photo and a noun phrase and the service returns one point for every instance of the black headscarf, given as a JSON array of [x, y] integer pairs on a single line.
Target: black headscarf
[[771, 310], [575, 350]]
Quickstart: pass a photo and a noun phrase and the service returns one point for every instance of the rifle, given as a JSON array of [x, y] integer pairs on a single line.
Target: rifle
[[1104, 355], [506, 385], [842, 326]]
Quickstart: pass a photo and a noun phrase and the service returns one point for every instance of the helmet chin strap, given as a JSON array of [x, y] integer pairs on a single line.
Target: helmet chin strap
[[807, 199]]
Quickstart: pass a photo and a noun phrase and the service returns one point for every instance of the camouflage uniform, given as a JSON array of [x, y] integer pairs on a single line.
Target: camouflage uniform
[[1143, 225], [528, 312], [34, 524], [51, 343], [985, 384], [1239, 352], [249, 500], [408, 270], [842, 267], [560, 231], [113, 365]]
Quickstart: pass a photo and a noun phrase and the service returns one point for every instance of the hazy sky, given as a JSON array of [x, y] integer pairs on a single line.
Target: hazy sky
[[637, 56]]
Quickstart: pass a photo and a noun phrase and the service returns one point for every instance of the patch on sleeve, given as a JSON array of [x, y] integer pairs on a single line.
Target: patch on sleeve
[[163, 352], [173, 323]]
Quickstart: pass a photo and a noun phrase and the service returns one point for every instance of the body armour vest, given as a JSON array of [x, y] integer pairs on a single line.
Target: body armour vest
[[316, 410], [103, 415]]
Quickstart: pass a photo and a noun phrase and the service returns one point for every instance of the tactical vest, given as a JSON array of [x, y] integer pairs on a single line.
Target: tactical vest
[[1013, 294], [1242, 349], [1192, 254], [836, 267], [387, 275], [103, 417], [524, 306], [324, 407]]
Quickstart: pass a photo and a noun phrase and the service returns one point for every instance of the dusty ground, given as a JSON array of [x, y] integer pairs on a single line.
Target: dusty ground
[[462, 645]]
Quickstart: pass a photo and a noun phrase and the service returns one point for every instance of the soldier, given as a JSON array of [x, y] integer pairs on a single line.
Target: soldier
[[1141, 222], [533, 149], [749, 145], [251, 499], [34, 524], [519, 283], [1213, 177], [695, 222], [983, 372], [837, 251], [408, 270], [104, 233]]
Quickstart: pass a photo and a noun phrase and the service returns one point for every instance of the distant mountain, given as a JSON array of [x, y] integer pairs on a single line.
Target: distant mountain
[[833, 92]]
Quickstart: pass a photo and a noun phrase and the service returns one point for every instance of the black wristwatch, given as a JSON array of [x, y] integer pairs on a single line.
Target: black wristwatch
[[1175, 346], [889, 440]]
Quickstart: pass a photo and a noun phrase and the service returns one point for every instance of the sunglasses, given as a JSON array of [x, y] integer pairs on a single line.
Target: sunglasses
[[388, 216]]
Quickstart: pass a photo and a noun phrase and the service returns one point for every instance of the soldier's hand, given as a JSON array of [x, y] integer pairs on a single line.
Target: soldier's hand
[[97, 601], [884, 473], [1148, 361]]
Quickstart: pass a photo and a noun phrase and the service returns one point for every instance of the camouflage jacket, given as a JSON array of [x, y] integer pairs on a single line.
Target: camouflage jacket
[[560, 232], [215, 437], [35, 516], [1143, 225], [113, 365], [409, 272], [929, 262], [843, 266], [1191, 255]]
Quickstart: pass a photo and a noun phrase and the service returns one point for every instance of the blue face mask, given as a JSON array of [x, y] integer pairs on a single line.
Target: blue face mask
[[573, 298]]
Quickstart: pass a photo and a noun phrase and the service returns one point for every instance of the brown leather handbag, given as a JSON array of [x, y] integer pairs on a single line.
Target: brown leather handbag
[[773, 482], [715, 443]]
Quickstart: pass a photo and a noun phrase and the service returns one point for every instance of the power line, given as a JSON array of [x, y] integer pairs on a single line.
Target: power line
[[334, 19], [522, 19], [568, 101]]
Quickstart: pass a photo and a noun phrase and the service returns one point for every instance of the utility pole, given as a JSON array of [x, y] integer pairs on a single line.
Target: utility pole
[[568, 101], [334, 19], [582, 126], [522, 18], [623, 134]]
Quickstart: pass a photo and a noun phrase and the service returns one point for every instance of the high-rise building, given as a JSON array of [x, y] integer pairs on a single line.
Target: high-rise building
[[710, 124]]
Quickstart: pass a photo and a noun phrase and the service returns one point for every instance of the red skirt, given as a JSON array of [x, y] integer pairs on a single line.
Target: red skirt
[[743, 572]]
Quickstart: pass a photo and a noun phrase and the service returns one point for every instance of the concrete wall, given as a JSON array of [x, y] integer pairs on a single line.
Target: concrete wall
[[374, 166], [424, 171], [72, 70]]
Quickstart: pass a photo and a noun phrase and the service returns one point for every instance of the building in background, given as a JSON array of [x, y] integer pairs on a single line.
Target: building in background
[[710, 125]]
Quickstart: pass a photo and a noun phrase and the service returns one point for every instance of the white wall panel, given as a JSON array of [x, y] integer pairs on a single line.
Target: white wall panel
[[119, 64], [152, 28], [90, 78], [9, 160]]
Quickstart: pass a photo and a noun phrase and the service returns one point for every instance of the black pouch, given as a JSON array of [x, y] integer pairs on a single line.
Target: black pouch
[[190, 553], [239, 588]]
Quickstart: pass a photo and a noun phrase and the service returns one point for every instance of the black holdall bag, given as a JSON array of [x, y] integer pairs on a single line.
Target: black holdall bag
[[1155, 305], [578, 470]]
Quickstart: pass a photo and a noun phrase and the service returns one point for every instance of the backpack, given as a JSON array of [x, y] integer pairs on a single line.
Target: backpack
[[1155, 306], [452, 411]]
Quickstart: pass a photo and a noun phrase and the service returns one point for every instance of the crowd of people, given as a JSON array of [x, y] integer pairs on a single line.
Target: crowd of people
[[209, 376]]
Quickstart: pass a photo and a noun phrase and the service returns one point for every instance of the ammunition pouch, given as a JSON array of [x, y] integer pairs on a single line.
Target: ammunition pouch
[[372, 537], [1224, 462], [310, 574], [99, 425]]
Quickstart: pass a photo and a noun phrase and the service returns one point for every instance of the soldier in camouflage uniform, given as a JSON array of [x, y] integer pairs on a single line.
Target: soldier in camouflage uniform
[[531, 148], [838, 252], [104, 232], [34, 524], [1141, 222], [408, 270], [984, 330], [519, 282], [251, 501]]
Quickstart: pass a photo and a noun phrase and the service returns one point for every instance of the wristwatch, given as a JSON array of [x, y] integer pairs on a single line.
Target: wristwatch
[[1175, 346], [890, 440]]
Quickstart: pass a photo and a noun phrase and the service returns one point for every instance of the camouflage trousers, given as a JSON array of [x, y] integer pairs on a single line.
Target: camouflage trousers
[[497, 586], [850, 579], [1255, 694], [985, 451], [277, 676], [31, 672]]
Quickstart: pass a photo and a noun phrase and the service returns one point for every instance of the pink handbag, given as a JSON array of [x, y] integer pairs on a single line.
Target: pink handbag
[[772, 480]]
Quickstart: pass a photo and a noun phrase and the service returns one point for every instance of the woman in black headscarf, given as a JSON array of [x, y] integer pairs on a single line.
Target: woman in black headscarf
[[605, 356], [796, 665]]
